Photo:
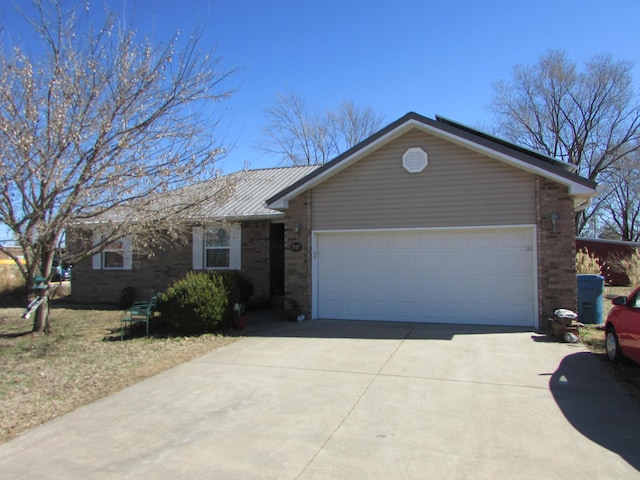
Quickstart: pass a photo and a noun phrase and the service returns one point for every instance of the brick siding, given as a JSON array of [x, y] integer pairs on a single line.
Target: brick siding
[[556, 248], [255, 256], [298, 263], [105, 286], [167, 265]]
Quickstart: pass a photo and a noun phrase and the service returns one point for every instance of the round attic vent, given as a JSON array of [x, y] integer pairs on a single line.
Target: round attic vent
[[415, 160]]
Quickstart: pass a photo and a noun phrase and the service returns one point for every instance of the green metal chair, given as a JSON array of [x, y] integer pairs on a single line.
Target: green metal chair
[[137, 313]]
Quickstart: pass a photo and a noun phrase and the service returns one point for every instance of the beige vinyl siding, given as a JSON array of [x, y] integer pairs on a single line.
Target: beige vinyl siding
[[458, 187]]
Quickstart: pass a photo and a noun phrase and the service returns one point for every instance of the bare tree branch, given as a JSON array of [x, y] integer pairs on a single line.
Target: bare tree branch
[[588, 117], [98, 120], [300, 136]]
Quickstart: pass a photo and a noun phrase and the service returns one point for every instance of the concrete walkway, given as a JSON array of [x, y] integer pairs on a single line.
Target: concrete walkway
[[353, 400]]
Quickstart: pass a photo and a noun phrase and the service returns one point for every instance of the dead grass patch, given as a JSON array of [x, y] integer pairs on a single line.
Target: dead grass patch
[[83, 360]]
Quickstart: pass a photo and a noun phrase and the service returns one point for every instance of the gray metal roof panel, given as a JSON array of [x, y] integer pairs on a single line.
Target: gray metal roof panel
[[236, 196], [246, 192]]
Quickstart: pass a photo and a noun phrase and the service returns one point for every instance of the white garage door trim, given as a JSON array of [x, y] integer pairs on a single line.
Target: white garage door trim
[[499, 293]]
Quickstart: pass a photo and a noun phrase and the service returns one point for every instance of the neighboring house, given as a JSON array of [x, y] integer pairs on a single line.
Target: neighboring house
[[607, 251], [425, 221], [10, 275]]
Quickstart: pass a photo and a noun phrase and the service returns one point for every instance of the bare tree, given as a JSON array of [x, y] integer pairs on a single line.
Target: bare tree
[[93, 125], [621, 206], [301, 136], [588, 117]]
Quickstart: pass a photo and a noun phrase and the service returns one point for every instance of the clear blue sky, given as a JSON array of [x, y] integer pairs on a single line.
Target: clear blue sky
[[431, 57]]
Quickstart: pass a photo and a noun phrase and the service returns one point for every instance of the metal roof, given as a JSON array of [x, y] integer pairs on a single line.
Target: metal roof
[[237, 196], [242, 195]]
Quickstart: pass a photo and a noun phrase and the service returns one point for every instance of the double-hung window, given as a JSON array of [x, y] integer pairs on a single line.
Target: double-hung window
[[216, 247], [115, 255]]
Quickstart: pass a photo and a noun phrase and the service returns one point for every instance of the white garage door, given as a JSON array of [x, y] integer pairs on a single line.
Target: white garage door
[[475, 276]]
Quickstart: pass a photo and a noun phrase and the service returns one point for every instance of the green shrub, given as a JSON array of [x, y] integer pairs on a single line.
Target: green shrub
[[197, 303], [587, 263], [240, 287]]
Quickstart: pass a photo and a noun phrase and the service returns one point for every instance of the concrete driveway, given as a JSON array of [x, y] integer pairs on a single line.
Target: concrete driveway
[[353, 400]]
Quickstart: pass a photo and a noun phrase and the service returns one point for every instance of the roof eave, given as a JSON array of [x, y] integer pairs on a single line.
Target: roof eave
[[238, 218]]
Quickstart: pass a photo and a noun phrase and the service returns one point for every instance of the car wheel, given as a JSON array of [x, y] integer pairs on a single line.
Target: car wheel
[[613, 347]]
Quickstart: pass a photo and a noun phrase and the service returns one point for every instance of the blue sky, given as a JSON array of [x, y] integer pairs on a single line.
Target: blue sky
[[431, 57]]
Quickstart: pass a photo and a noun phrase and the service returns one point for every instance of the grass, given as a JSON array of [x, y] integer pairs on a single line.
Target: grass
[[83, 360]]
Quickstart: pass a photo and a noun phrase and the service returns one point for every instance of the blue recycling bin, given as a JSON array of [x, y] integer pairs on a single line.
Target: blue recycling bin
[[590, 294]]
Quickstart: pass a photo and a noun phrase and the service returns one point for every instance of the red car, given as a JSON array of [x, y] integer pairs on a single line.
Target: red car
[[622, 328]]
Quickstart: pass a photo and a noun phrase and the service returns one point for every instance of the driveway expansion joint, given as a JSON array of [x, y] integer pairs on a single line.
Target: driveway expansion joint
[[355, 404]]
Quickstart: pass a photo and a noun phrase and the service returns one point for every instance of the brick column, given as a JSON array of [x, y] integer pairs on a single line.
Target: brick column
[[297, 264], [556, 248], [256, 236]]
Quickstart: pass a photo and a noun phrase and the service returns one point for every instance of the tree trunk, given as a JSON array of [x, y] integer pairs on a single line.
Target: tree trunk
[[41, 318]]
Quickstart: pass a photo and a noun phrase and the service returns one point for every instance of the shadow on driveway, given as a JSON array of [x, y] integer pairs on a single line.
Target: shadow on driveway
[[597, 406], [271, 323]]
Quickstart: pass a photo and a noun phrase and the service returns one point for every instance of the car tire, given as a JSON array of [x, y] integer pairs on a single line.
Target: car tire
[[613, 346]]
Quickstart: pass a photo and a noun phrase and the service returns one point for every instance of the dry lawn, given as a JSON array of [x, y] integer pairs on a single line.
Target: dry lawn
[[45, 376]]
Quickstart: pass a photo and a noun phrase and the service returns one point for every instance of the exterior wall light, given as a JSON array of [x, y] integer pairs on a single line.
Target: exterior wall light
[[554, 222], [296, 227]]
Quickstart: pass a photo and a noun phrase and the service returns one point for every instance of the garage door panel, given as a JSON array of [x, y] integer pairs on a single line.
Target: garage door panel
[[405, 265], [517, 287], [429, 264], [485, 265], [379, 310], [426, 243], [378, 242], [356, 266], [456, 290], [402, 288], [457, 241], [476, 276], [484, 241], [429, 289], [333, 287], [403, 241], [513, 315], [378, 265], [457, 265], [353, 288], [516, 239], [516, 264], [353, 309], [486, 291]]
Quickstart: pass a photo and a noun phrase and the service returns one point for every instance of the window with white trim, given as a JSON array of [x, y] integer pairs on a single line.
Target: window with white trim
[[115, 255], [216, 247]]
